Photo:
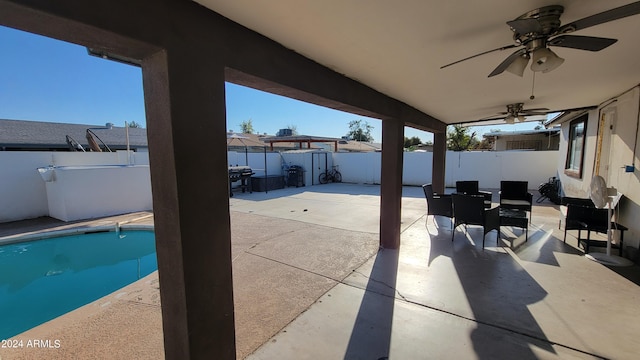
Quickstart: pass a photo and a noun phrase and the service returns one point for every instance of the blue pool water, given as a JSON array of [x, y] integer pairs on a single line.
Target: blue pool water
[[41, 280]]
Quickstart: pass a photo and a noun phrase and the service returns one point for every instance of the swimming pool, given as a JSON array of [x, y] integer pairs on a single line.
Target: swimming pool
[[43, 279]]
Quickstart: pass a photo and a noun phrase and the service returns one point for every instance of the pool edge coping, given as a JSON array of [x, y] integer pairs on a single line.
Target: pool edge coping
[[116, 227]]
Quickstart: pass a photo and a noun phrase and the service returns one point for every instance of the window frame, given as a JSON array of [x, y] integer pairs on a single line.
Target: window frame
[[569, 164]]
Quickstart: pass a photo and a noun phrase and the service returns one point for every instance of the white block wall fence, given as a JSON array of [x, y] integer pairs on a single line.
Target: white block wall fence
[[23, 191], [488, 167], [24, 194]]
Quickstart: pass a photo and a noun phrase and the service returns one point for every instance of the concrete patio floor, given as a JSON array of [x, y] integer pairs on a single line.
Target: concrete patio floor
[[310, 283]]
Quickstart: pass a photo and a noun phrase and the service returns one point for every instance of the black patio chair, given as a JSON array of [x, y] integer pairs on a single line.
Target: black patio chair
[[471, 187], [470, 210], [438, 204], [575, 218], [564, 203], [516, 195], [591, 219]]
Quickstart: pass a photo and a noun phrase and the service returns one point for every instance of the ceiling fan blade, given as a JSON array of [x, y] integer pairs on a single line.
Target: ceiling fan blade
[[590, 43], [511, 46], [600, 18], [528, 113], [525, 26], [505, 64]]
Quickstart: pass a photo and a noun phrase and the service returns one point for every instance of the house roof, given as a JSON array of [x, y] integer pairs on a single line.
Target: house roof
[[298, 138], [551, 131], [39, 134], [357, 146], [256, 141]]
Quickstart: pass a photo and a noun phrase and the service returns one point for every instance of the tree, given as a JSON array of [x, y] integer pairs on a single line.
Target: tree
[[459, 139], [246, 127], [360, 130], [294, 129], [134, 124], [486, 143], [413, 141]]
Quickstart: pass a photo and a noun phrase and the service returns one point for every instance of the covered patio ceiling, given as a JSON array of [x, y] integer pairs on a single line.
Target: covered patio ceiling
[[398, 48]]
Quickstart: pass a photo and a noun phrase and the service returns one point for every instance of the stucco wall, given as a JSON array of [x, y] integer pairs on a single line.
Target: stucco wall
[[624, 140], [359, 168], [628, 183], [24, 194], [488, 167], [256, 160], [84, 192], [572, 186], [23, 191]]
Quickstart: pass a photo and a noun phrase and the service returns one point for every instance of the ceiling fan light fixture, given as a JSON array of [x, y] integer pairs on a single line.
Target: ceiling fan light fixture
[[520, 118], [557, 61], [510, 119], [545, 60], [518, 65]]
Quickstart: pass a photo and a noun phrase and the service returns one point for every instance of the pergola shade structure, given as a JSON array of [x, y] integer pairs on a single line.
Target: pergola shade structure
[[300, 140]]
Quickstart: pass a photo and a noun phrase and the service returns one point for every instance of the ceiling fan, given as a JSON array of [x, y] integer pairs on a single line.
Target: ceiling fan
[[536, 30], [516, 112]]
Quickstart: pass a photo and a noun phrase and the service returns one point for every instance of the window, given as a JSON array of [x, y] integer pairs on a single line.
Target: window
[[575, 152]]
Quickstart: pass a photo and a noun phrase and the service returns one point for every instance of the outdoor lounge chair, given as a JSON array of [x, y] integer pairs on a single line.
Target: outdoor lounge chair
[[515, 195], [470, 210], [591, 219], [564, 203], [471, 187], [438, 204]]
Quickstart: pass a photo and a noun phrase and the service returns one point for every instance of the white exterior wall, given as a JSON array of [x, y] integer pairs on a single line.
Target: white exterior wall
[[84, 192], [22, 190], [256, 160], [417, 167], [25, 196], [572, 186], [488, 167], [624, 138], [628, 183], [359, 168]]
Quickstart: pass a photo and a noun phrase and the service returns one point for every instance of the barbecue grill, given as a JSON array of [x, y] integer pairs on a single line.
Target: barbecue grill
[[242, 174]]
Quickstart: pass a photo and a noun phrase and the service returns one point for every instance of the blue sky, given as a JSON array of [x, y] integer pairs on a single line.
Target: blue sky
[[42, 79]]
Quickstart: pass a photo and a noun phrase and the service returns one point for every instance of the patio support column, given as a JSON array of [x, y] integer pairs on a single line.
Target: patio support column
[[391, 183], [438, 162], [185, 102]]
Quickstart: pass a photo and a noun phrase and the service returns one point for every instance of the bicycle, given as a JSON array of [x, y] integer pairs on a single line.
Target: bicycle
[[549, 190], [330, 175]]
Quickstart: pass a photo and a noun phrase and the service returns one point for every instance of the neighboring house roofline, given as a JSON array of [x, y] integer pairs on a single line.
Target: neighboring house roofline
[[24, 134]]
